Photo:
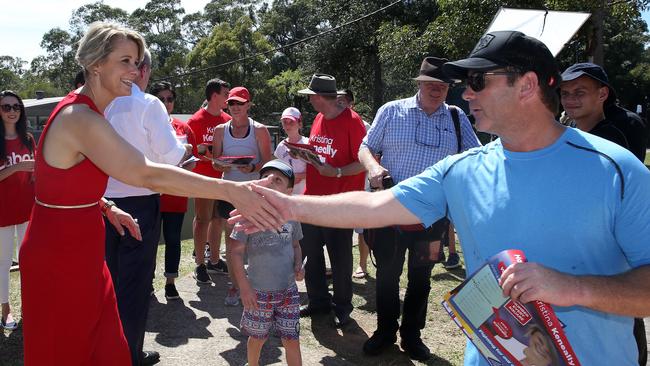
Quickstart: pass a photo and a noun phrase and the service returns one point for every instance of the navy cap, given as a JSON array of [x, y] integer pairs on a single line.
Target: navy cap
[[280, 166], [508, 49], [594, 71]]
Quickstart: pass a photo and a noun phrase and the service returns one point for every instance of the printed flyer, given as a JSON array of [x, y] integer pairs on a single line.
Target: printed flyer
[[304, 152], [505, 331], [234, 161]]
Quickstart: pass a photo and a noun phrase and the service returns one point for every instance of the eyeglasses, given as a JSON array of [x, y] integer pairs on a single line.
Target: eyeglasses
[[234, 102], [476, 81], [7, 107], [427, 133], [167, 100]]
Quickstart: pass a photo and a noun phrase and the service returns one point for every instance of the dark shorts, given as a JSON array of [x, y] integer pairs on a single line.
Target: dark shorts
[[278, 308], [224, 208]]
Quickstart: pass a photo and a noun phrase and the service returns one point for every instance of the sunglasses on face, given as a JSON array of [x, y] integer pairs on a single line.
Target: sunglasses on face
[[476, 81], [7, 107], [234, 102], [167, 100]]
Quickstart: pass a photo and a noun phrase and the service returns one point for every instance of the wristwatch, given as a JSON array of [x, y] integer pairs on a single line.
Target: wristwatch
[[339, 172], [107, 206]]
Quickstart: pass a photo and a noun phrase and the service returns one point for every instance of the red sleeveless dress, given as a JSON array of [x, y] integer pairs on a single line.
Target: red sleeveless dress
[[69, 309]]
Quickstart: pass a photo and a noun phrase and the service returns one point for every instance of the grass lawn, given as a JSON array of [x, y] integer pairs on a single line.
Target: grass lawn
[[440, 334]]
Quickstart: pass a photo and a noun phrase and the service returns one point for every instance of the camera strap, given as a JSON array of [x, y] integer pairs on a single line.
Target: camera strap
[[456, 118]]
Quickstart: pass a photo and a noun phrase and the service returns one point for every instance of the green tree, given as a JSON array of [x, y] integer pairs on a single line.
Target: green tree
[[58, 65], [236, 51], [11, 71], [161, 22], [97, 11]]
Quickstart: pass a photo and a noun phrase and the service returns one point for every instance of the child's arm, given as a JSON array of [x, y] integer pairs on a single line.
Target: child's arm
[[247, 293], [297, 261]]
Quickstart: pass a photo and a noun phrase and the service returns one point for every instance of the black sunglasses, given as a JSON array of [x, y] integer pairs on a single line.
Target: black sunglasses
[[234, 102], [168, 99], [7, 107], [476, 81]]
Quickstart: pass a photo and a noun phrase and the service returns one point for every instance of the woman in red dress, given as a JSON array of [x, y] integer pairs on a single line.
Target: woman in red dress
[[62, 258], [16, 189]]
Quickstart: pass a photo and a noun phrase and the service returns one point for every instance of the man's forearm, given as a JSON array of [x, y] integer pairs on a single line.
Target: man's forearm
[[367, 159], [352, 209], [624, 294], [353, 168]]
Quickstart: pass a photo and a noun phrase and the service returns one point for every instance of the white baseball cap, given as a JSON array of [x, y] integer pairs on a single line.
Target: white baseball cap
[[292, 113]]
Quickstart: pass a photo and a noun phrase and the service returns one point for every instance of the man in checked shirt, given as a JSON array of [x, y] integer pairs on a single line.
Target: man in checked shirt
[[410, 135]]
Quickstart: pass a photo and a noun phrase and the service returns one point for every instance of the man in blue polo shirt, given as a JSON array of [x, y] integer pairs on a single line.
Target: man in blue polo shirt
[[587, 247]]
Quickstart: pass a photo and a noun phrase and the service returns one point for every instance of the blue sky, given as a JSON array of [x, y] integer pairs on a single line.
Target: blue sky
[[23, 22]]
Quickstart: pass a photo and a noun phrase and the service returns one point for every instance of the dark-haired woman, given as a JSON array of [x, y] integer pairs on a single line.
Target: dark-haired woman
[[16, 189], [173, 208]]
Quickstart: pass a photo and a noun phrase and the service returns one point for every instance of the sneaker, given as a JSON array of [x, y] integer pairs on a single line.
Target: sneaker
[[232, 297], [9, 324], [453, 261], [170, 292], [201, 275], [207, 252], [221, 267], [150, 358]]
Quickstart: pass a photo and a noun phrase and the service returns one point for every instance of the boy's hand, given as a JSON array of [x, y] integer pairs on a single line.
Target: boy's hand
[[248, 298], [299, 272]]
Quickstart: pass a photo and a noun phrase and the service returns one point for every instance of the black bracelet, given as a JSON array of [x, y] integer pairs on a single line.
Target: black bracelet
[[107, 206]]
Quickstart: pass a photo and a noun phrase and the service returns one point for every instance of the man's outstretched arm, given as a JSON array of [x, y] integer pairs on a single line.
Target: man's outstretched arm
[[344, 210]]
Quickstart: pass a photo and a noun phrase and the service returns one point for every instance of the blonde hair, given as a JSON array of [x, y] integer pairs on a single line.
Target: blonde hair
[[99, 40]]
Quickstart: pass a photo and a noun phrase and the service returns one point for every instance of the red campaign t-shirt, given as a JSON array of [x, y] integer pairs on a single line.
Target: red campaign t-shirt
[[184, 134], [17, 190], [203, 124], [337, 140]]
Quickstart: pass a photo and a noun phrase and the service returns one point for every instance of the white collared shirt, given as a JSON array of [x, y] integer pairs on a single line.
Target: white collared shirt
[[141, 119]]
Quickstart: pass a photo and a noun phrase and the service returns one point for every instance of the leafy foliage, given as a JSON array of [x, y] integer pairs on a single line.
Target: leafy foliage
[[260, 45]]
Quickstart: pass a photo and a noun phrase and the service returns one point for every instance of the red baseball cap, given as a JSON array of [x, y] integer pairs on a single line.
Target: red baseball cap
[[239, 94]]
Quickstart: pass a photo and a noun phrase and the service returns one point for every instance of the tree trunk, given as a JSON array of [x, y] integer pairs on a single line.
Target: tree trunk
[[377, 83], [598, 56]]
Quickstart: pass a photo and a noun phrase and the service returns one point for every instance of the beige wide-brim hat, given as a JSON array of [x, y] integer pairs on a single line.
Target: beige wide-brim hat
[[322, 84]]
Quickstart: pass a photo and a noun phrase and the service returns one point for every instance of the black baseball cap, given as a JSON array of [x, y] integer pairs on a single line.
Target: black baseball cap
[[500, 49], [280, 166], [595, 72]]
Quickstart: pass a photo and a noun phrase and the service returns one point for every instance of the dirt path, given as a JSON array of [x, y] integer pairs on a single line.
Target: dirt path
[[200, 330]]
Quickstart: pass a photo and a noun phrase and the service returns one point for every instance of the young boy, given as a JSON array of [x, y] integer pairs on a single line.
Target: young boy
[[269, 293]]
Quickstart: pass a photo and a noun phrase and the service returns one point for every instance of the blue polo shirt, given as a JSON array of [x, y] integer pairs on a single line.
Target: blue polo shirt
[[580, 206]]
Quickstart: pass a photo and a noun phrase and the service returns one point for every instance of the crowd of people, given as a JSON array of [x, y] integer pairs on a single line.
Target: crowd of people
[[405, 183]]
